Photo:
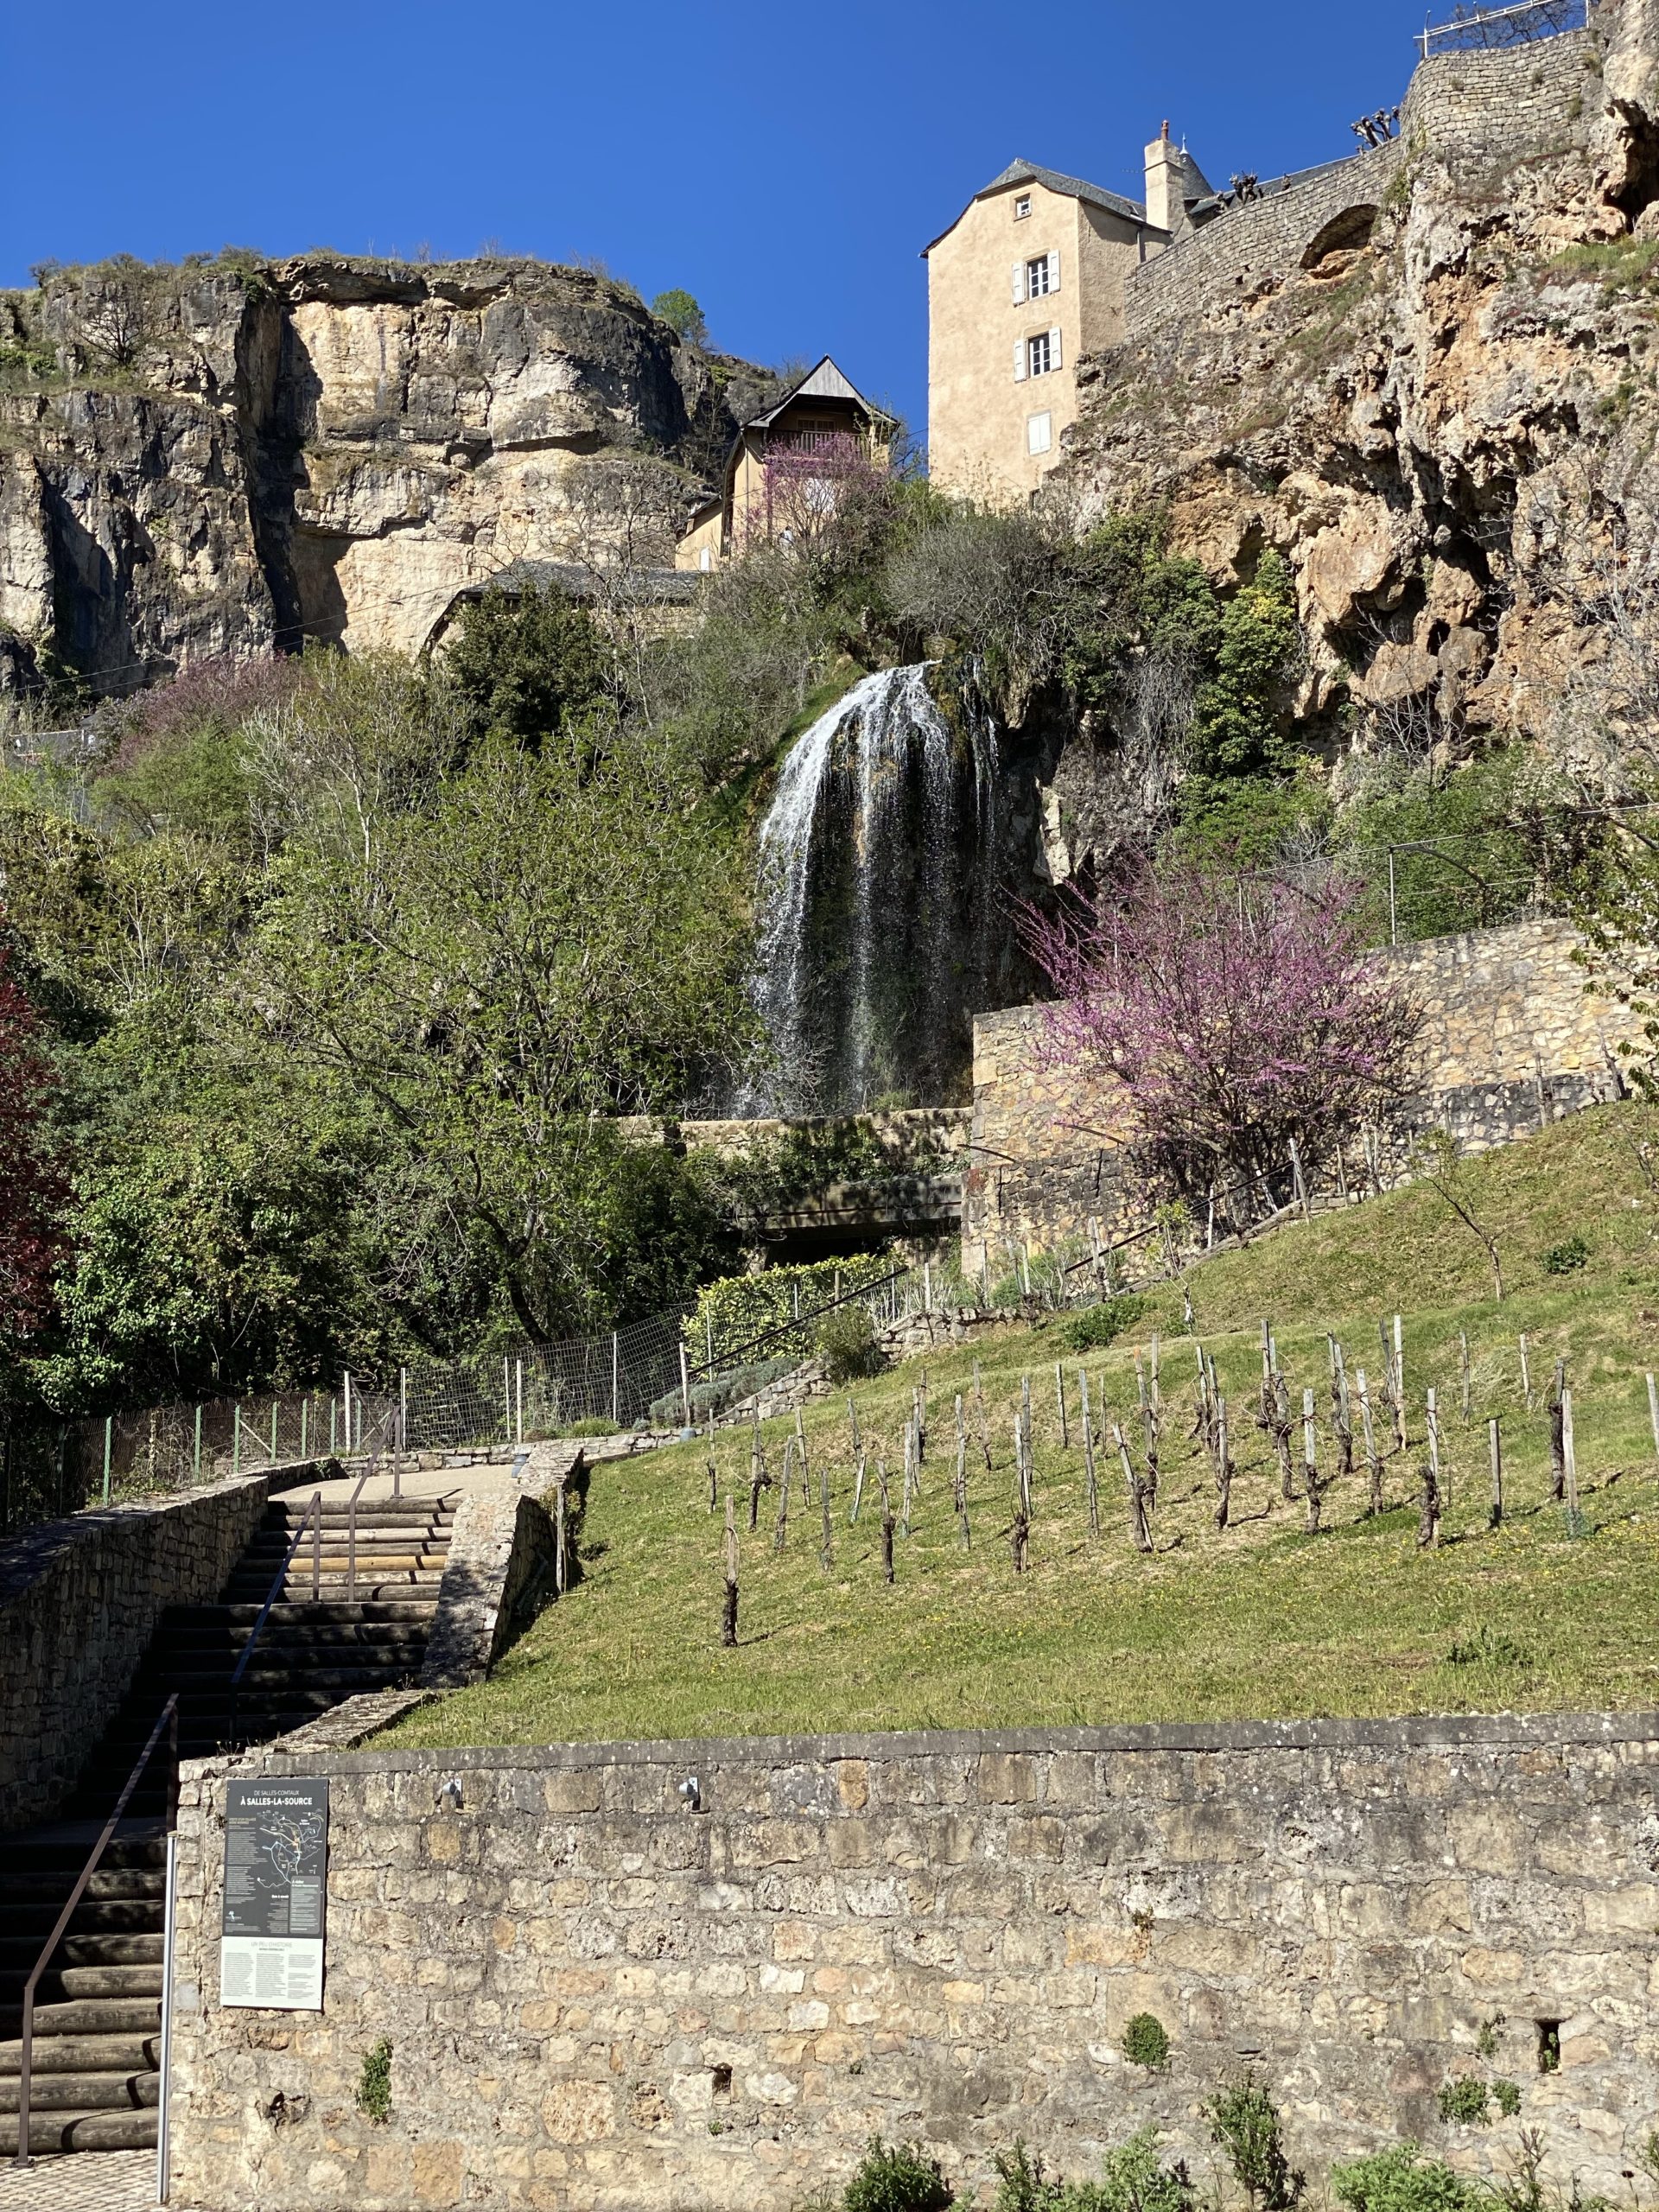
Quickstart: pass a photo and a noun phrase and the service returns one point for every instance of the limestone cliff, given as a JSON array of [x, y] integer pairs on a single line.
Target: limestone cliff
[[1427, 376], [234, 454]]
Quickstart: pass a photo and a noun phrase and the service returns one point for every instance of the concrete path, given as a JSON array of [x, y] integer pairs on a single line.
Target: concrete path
[[91, 2181]]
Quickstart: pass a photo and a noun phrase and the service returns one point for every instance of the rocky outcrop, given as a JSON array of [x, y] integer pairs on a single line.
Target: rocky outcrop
[[1425, 376], [234, 454]]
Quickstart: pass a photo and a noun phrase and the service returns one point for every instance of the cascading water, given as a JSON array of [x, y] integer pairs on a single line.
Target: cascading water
[[877, 875]]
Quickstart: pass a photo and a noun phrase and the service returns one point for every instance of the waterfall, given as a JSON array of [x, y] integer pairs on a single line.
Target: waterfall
[[876, 881]]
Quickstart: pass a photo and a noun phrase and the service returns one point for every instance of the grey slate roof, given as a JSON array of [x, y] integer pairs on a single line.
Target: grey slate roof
[[1070, 188]]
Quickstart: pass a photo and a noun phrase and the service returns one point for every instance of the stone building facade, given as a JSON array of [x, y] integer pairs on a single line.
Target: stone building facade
[[608, 1990], [1511, 1039]]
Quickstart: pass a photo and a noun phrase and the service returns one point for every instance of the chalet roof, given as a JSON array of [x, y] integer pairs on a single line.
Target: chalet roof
[[1069, 187], [824, 381]]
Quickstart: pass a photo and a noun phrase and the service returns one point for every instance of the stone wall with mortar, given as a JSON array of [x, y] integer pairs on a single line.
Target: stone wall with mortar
[[1462, 109], [502, 1564], [79, 1599], [1511, 1040], [599, 1999]]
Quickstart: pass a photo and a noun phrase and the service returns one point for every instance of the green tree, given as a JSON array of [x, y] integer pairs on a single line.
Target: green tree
[[677, 308], [527, 666]]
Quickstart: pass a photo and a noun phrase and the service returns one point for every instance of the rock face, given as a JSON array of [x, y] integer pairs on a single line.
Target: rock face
[[235, 455], [1425, 376]]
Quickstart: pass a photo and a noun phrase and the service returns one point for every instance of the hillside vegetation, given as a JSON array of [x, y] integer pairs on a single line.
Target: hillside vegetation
[[1263, 1620]]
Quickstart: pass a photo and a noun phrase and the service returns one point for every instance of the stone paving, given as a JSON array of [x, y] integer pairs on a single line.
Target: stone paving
[[95, 2180]]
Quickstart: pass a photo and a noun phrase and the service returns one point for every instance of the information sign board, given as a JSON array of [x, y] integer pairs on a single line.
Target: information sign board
[[275, 1893]]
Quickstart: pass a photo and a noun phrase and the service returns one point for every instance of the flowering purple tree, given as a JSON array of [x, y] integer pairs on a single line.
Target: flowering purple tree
[[1238, 1017], [809, 482]]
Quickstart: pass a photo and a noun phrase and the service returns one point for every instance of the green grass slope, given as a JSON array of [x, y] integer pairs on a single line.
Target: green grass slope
[[1263, 1620]]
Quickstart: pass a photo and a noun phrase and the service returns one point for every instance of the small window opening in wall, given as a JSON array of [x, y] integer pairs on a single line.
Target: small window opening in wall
[[1549, 2046], [1022, 208], [722, 2080], [1039, 355]]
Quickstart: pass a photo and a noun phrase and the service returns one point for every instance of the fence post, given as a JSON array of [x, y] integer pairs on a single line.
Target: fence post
[[236, 1439], [305, 1408], [109, 1439], [1394, 904], [685, 1380], [518, 1401], [333, 1419], [275, 1409], [616, 1375], [347, 1394], [195, 1464]]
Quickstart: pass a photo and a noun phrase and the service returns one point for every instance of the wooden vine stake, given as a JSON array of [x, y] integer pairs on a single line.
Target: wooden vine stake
[[1090, 1476], [1223, 1465], [981, 1422], [1557, 1437], [1653, 1414], [728, 1616], [1463, 1370], [1442, 1479], [1570, 1465], [910, 1479], [1399, 1381], [1341, 1412], [1140, 1529], [714, 1472], [1313, 1486], [1060, 1400], [1495, 1446], [759, 1478], [1526, 1376], [962, 1475], [800, 1458], [886, 1520], [826, 1544], [780, 1534], [858, 1490], [1373, 1457]]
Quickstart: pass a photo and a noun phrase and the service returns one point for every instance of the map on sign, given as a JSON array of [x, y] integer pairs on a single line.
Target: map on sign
[[276, 1888]]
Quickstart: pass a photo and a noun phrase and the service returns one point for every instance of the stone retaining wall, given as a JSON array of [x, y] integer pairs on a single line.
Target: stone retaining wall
[[501, 1566], [597, 1998], [1511, 1040], [79, 1599], [1462, 110]]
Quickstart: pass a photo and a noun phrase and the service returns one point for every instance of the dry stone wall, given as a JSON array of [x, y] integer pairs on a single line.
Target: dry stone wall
[[1511, 1040], [79, 1599], [599, 1998], [1460, 108]]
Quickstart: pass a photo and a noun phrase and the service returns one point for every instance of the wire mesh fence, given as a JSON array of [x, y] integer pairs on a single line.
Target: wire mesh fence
[[1473, 31]]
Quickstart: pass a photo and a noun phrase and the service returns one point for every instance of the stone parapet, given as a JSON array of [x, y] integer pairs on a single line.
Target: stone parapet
[[599, 1997], [501, 1565], [79, 1599]]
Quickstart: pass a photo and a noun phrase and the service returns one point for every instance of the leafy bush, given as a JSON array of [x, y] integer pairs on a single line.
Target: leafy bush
[[1508, 2098], [1097, 1326], [1245, 2122], [895, 2177], [1146, 2043], [579, 1428], [1567, 1259], [374, 2083], [1131, 2180], [1465, 2102], [725, 1391], [1399, 2179], [846, 1340], [732, 1314]]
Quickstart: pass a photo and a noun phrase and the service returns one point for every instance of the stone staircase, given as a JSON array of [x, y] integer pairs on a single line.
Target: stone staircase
[[97, 2014]]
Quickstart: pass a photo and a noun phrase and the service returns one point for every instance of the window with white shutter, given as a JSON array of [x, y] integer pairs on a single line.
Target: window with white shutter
[[1020, 360], [1040, 433], [1054, 348], [1036, 276], [1019, 283], [1039, 353], [1053, 284]]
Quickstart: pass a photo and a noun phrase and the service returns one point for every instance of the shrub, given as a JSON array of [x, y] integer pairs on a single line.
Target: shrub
[[1097, 1327], [1465, 2101], [1131, 2180], [374, 2083], [1146, 2043], [1399, 2179], [578, 1429], [1567, 1259], [846, 1340], [1508, 2098], [739, 1312], [895, 2177], [1245, 2122]]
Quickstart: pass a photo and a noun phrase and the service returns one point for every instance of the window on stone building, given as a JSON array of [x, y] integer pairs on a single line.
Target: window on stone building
[[1021, 206], [1040, 433], [1040, 352], [1037, 277]]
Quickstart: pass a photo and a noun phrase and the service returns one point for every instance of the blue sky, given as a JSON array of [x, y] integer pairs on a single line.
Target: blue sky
[[786, 165]]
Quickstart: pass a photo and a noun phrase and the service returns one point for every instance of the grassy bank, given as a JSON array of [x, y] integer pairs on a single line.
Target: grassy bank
[[1262, 1620]]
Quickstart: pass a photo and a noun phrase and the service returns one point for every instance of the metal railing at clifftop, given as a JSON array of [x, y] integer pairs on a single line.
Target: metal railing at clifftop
[[1477, 30]]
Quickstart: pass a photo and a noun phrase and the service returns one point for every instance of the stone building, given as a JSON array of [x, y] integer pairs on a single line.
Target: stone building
[[786, 465], [1030, 278]]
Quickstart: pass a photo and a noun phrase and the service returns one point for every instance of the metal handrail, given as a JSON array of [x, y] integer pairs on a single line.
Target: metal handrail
[[313, 1522], [169, 1718]]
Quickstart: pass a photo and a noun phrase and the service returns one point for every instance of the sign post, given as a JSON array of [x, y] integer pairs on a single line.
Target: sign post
[[275, 1893]]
